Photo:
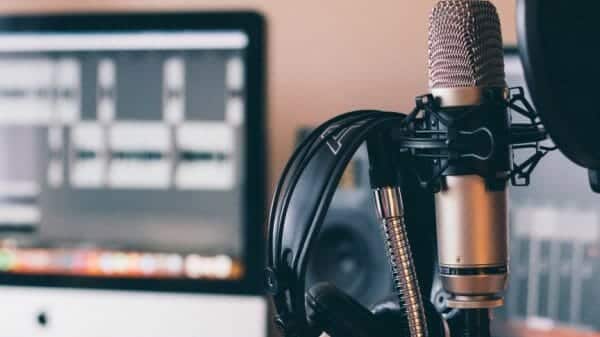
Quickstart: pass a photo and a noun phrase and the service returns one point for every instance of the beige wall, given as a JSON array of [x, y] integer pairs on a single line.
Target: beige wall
[[325, 56]]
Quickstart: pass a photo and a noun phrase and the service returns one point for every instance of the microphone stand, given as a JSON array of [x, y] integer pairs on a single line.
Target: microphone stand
[[470, 323], [408, 156], [389, 182]]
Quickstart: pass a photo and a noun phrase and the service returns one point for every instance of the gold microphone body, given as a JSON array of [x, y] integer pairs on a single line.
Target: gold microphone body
[[467, 80]]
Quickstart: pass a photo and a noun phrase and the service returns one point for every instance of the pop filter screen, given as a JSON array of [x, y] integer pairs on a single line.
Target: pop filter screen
[[561, 58]]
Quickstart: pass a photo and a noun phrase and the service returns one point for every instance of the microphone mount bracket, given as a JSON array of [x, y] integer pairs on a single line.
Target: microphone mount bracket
[[421, 137]]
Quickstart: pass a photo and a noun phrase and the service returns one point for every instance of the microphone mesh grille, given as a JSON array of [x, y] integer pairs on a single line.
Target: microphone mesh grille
[[465, 45]]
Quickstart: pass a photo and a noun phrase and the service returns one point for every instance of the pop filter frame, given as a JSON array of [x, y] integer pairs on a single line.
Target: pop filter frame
[[560, 74]]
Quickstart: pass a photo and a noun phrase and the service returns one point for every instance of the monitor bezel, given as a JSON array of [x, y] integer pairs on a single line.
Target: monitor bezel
[[253, 25]]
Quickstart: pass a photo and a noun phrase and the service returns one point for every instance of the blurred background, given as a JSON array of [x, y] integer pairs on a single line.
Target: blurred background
[[322, 59]]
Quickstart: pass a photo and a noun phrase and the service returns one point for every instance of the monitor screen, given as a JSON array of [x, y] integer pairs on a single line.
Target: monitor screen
[[124, 155]]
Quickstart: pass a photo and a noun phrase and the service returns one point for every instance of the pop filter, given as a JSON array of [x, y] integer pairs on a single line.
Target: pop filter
[[561, 59]]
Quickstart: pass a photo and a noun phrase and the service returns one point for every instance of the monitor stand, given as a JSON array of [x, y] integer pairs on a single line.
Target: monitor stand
[[49, 312]]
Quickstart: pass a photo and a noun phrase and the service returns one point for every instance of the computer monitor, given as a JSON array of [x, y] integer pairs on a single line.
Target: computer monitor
[[132, 174]]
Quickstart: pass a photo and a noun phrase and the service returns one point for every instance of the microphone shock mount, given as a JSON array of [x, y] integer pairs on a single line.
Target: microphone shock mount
[[431, 137]]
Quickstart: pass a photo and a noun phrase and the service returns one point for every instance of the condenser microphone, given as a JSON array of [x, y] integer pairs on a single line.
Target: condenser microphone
[[467, 82]]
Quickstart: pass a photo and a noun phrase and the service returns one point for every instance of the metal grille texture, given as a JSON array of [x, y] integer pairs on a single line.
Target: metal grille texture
[[465, 45]]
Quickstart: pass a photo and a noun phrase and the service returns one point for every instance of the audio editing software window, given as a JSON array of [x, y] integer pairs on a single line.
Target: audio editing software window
[[121, 154]]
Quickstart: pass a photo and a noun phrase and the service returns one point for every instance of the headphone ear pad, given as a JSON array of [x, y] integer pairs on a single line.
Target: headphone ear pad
[[390, 314], [338, 314]]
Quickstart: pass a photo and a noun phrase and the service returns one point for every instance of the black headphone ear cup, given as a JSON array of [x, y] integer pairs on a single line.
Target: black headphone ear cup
[[349, 252], [389, 314], [338, 314]]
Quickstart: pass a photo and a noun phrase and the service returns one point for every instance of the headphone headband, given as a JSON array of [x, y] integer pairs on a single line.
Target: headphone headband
[[301, 202]]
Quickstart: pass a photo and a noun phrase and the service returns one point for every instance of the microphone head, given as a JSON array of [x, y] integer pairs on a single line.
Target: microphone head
[[465, 45]]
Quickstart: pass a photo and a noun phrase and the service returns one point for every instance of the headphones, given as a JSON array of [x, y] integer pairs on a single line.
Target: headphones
[[300, 202]]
